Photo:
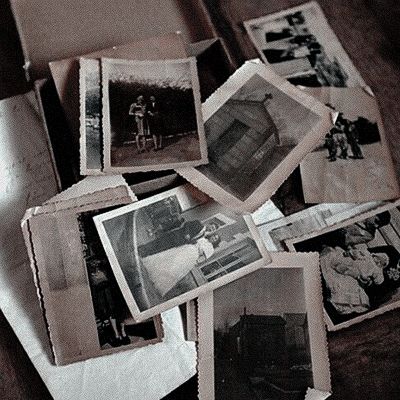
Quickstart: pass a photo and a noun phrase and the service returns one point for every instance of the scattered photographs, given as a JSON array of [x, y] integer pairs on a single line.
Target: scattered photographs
[[360, 265], [152, 115], [263, 336], [167, 249], [352, 164], [301, 46], [258, 129]]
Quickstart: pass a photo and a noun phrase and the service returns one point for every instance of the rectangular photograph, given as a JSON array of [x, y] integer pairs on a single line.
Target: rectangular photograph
[[91, 132], [168, 248], [263, 336], [258, 129], [84, 309], [301, 46], [152, 117], [352, 164], [360, 266], [278, 224]]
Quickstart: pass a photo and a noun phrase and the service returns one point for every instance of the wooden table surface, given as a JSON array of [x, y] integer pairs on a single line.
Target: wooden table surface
[[365, 358]]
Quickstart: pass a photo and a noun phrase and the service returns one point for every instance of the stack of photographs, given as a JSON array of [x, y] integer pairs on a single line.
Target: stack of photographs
[[279, 217]]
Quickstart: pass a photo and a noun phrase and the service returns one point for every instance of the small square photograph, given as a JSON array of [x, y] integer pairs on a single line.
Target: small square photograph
[[301, 46], [360, 265], [353, 152], [167, 249], [258, 128], [264, 336], [91, 133], [152, 117], [115, 325]]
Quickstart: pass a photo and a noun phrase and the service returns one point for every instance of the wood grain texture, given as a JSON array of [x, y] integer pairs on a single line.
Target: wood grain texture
[[365, 359]]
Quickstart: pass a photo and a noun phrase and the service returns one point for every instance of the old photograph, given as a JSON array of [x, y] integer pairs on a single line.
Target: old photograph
[[276, 227], [360, 266], [91, 133], [114, 322], [83, 305], [263, 336], [258, 128], [354, 151], [167, 249], [301, 46], [152, 115]]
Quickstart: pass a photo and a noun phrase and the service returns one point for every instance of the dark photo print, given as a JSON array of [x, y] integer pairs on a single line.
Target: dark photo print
[[115, 325], [152, 113]]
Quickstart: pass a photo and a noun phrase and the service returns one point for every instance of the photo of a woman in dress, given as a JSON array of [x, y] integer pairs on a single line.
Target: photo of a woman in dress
[[168, 267]]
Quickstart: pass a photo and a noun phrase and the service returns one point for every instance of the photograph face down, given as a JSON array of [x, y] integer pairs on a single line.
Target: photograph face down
[[152, 114], [300, 45], [115, 325], [360, 266], [261, 337], [172, 245]]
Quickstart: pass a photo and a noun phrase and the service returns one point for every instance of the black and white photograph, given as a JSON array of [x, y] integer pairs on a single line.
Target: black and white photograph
[[152, 115], [353, 151], [91, 133], [258, 128], [267, 339], [360, 266], [301, 46], [114, 322], [167, 249], [276, 228]]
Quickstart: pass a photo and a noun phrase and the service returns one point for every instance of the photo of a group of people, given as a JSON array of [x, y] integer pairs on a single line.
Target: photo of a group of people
[[167, 246], [360, 264], [353, 149], [300, 45]]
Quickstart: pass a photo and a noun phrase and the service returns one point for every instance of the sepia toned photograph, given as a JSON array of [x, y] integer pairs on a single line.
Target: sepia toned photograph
[[353, 151], [152, 115], [114, 322], [168, 248], [258, 128], [91, 133], [301, 46], [263, 336], [360, 266]]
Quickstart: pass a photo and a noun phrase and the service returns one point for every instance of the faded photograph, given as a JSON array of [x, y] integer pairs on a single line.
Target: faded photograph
[[277, 227], [152, 113], [353, 151], [91, 111], [300, 45], [170, 246], [360, 266], [114, 322], [261, 337], [251, 134]]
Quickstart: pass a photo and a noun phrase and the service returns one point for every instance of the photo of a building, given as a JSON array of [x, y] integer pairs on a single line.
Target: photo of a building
[[251, 134], [261, 344]]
